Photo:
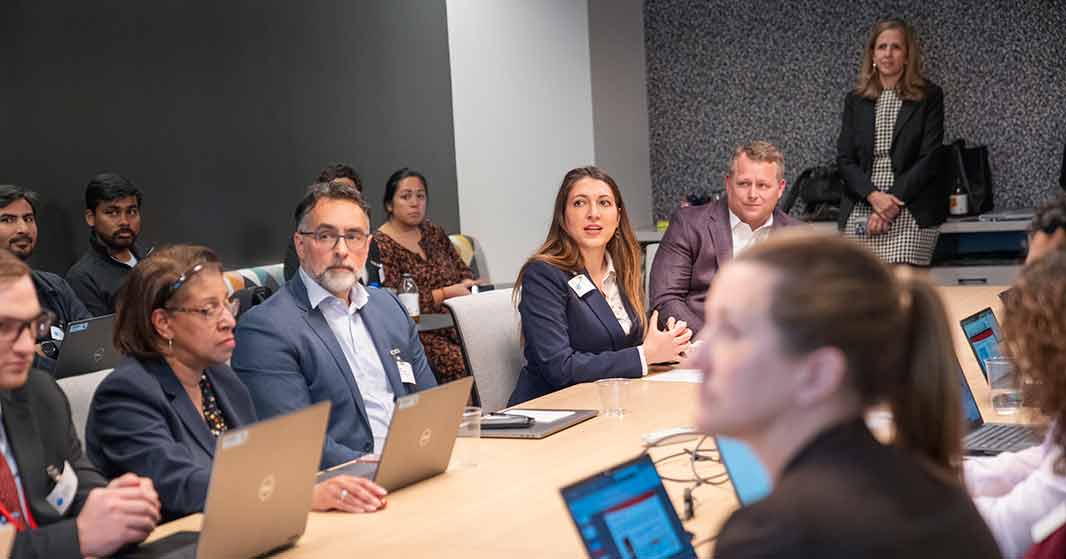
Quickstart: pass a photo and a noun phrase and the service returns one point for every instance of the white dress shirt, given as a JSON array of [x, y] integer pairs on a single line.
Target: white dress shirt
[[743, 236], [358, 347], [1014, 490], [613, 294]]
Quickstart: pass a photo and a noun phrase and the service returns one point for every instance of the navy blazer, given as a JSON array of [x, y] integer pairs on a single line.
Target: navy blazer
[[570, 339], [919, 131], [289, 358], [141, 420], [40, 434]]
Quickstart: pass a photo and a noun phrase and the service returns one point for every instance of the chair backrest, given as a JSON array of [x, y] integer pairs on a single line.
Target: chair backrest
[[649, 257], [80, 390], [489, 332], [470, 252], [271, 275]]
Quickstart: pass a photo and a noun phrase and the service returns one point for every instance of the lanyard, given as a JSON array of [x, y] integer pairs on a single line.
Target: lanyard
[[19, 526]]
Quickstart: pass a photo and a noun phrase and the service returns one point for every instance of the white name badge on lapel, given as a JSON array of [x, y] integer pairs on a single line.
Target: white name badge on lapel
[[57, 333], [407, 374], [581, 284], [66, 487]]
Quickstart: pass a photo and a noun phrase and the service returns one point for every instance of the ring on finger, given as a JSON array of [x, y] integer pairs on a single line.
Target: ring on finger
[[344, 494]]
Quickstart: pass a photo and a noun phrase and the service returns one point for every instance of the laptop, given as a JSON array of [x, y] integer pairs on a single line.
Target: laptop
[[983, 334], [420, 440], [88, 346], [545, 423], [987, 439], [258, 498], [749, 477], [625, 512]]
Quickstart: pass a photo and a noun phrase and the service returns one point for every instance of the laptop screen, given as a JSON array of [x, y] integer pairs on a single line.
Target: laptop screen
[[970, 412], [750, 479], [983, 335], [625, 512]]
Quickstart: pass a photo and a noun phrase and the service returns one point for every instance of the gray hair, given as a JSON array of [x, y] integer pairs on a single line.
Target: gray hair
[[332, 190]]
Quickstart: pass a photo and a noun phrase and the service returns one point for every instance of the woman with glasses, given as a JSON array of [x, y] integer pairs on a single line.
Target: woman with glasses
[[161, 410], [410, 244]]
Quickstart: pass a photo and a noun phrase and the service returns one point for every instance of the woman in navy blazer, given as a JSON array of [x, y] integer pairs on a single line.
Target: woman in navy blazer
[[580, 297], [161, 410]]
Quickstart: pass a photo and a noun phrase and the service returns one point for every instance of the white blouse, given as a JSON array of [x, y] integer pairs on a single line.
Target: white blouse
[[1014, 490], [613, 294]]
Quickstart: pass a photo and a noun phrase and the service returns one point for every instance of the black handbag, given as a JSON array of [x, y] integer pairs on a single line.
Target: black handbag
[[973, 172], [821, 188]]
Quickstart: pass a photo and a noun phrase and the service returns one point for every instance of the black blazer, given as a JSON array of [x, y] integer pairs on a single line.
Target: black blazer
[[570, 339], [846, 495], [919, 131], [142, 421], [41, 434]]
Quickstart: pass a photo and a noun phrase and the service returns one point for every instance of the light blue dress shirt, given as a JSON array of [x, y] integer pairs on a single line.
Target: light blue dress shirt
[[359, 350]]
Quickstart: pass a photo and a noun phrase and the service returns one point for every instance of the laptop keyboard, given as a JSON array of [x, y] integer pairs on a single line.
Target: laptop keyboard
[[1001, 436]]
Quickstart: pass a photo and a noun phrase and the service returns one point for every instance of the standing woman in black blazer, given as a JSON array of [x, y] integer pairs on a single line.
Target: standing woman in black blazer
[[892, 123], [580, 295], [803, 334]]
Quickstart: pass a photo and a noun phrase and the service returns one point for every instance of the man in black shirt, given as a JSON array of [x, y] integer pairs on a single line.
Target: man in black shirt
[[18, 233], [113, 213]]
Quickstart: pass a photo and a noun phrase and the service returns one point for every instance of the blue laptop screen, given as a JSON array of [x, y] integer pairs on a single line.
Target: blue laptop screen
[[625, 512], [969, 404], [749, 477], [982, 332]]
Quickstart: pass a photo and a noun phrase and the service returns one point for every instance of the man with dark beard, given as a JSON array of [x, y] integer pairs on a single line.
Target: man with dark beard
[[324, 336], [113, 213], [18, 233]]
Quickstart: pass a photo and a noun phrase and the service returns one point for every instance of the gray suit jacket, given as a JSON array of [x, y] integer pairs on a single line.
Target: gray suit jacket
[[698, 241], [289, 358]]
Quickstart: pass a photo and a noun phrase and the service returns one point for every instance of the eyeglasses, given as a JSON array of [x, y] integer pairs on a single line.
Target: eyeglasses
[[212, 311], [39, 327], [168, 292], [327, 238]]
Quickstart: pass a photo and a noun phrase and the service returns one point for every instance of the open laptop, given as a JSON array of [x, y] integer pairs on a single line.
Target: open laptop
[[420, 440], [260, 490], [624, 511], [749, 477], [990, 438], [983, 334], [87, 347]]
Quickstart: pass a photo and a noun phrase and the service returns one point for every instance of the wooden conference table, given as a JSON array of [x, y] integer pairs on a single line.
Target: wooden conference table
[[509, 505]]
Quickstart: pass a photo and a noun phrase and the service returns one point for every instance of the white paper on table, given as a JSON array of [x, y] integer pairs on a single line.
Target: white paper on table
[[542, 416], [694, 376]]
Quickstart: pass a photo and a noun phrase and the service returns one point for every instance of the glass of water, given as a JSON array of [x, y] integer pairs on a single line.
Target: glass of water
[[1005, 384]]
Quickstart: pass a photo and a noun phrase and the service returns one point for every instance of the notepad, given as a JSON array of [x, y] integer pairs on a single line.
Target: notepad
[[694, 376], [542, 416]]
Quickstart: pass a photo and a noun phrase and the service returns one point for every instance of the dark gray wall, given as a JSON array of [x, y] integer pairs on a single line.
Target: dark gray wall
[[220, 111], [721, 73]]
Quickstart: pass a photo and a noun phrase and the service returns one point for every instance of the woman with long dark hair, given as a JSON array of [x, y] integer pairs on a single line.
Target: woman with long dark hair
[[580, 295]]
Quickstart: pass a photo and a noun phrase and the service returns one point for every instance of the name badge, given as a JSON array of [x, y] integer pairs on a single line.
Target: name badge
[[581, 284], [57, 334], [407, 373], [66, 487]]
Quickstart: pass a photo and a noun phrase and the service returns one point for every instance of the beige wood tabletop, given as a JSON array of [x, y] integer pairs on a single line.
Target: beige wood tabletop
[[509, 505]]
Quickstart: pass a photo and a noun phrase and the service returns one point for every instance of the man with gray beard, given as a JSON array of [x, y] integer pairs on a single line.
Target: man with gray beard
[[324, 336]]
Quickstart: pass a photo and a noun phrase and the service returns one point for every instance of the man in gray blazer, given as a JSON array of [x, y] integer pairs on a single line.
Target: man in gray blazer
[[326, 337], [702, 238]]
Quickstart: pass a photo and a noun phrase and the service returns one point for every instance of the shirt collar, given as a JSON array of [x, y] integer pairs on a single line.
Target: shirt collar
[[609, 272], [734, 221], [316, 293]]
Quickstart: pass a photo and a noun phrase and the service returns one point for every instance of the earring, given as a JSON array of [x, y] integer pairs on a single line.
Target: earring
[[170, 344]]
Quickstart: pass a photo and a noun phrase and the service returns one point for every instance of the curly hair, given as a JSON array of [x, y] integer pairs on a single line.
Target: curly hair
[[1035, 335]]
